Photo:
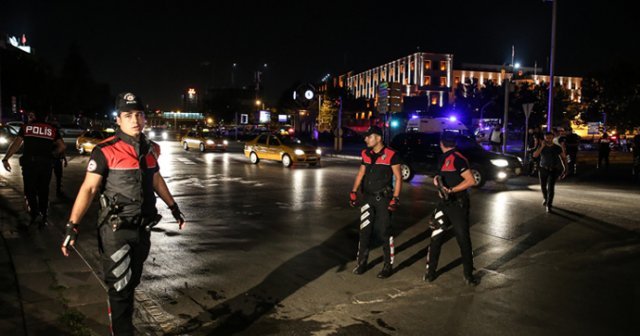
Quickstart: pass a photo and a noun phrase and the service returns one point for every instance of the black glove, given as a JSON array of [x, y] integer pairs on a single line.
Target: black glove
[[71, 235], [353, 199], [393, 204], [177, 214]]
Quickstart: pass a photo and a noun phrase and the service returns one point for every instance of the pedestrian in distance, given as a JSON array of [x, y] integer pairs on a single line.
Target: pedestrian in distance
[[553, 165], [124, 170], [380, 181], [496, 139], [453, 180], [42, 142]]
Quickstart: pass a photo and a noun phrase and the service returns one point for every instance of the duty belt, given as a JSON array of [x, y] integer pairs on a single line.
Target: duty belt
[[380, 194]]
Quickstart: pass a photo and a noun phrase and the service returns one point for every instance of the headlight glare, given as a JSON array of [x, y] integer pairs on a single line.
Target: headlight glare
[[500, 163]]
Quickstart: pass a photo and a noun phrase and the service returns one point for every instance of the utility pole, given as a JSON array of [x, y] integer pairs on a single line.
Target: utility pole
[[551, 66], [505, 121]]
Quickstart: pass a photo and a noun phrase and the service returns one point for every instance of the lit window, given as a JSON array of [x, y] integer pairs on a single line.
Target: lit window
[[434, 100], [443, 66], [427, 80], [443, 81], [427, 65], [456, 80], [412, 66]]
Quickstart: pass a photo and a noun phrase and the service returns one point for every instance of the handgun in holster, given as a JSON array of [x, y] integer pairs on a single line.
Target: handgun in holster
[[153, 221], [441, 189], [109, 210]]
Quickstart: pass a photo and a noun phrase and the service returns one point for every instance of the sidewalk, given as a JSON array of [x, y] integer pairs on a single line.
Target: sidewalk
[[43, 293]]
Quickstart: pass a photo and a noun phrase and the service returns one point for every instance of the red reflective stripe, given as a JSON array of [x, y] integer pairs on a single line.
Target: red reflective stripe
[[122, 156], [450, 167], [365, 158]]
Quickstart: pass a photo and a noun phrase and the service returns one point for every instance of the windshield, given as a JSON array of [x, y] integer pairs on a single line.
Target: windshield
[[292, 141], [465, 142]]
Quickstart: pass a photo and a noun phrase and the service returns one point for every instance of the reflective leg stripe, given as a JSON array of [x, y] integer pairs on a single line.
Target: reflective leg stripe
[[364, 224], [364, 215], [364, 208], [119, 254], [122, 283], [436, 232], [391, 249], [118, 271]]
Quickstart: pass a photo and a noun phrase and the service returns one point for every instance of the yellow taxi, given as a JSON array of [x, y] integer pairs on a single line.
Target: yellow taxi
[[203, 140], [287, 150], [89, 139]]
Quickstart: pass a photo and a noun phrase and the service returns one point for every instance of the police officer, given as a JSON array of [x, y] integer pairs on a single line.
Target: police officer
[[124, 169], [380, 180], [42, 142], [604, 148], [59, 162], [572, 147], [456, 178], [553, 164]]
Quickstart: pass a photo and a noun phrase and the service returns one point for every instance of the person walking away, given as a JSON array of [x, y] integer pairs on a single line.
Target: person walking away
[[604, 148], [572, 147], [124, 169], [380, 181], [42, 142], [455, 176], [553, 164]]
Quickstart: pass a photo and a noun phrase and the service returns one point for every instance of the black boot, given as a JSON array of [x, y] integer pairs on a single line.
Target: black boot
[[386, 272], [429, 276], [361, 267], [470, 280]]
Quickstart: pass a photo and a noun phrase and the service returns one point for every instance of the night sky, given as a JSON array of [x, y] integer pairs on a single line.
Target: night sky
[[159, 48]]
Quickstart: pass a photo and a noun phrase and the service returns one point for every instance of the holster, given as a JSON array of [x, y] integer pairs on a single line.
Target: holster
[[380, 194]]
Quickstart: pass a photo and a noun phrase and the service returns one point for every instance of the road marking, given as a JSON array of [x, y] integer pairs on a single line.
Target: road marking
[[186, 161]]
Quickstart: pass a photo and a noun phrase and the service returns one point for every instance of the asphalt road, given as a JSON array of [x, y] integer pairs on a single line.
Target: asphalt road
[[269, 251]]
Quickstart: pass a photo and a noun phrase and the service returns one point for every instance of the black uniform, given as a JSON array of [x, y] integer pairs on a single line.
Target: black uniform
[[127, 167], [456, 209], [375, 218], [551, 167], [572, 144], [603, 152], [36, 161]]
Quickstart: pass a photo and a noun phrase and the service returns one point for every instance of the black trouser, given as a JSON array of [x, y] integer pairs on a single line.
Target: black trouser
[[603, 156], [375, 222], [548, 179], [457, 211], [36, 176], [57, 171], [123, 254], [573, 160]]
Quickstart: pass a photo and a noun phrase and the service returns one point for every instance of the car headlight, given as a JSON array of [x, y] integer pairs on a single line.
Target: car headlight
[[298, 152], [3, 140], [165, 135], [210, 142], [319, 151], [500, 162], [225, 142], [502, 176], [152, 134]]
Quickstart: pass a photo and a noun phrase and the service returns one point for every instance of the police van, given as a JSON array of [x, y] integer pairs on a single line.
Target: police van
[[435, 125]]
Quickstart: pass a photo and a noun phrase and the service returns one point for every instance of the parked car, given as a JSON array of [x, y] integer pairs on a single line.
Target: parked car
[[420, 153], [203, 140], [15, 125], [7, 134], [288, 150], [71, 131], [88, 140]]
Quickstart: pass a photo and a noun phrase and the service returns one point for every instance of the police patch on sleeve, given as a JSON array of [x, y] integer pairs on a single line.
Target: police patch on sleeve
[[91, 167]]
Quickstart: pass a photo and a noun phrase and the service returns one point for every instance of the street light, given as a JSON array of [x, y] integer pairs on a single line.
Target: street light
[[551, 64]]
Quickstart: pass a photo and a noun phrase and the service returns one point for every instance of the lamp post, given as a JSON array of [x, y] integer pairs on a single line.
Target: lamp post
[[551, 65]]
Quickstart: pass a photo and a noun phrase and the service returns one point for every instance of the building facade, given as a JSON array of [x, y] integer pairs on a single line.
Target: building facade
[[419, 74]]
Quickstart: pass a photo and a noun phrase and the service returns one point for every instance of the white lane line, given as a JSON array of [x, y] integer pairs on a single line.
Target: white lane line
[[185, 161]]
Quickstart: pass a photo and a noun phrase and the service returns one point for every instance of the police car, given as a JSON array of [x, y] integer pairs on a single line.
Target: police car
[[420, 153]]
